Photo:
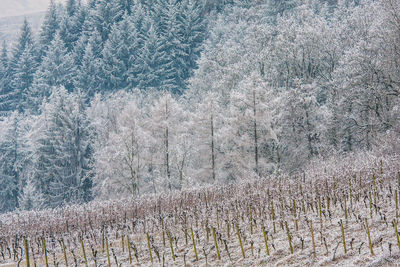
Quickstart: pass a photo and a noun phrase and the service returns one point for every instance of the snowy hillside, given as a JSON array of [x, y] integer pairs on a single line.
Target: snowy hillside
[[124, 98], [10, 26], [9, 8], [343, 212], [200, 132], [13, 13]]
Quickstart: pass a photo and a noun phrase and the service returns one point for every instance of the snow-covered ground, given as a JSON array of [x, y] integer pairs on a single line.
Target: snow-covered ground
[[13, 13], [10, 26], [10, 8], [361, 196]]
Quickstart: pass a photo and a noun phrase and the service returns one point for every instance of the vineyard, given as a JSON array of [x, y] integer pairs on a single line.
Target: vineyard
[[343, 212]]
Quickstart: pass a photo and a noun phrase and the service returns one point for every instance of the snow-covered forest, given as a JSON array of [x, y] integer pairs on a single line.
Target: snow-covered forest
[[121, 98]]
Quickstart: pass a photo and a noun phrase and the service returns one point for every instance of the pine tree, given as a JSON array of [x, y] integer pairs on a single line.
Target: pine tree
[[25, 39], [71, 23], [126, 5], [279, 7], [3, 65], [165, 18], [87, 78], [49, 28], [141, 20], [12, 162], [4, 79], [103, 15], [141, 23], [23, 79], [191, 30], [30, 198], [92, 39], [22, 65], [153, 61], [120, 55], [64, 155], [56, 69]]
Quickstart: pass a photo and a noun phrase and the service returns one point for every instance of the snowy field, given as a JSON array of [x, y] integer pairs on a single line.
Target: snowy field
[[350, 209]]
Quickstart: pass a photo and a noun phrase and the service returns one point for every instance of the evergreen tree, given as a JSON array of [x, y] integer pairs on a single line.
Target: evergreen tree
[[21, 67], [89, 38], [126, 5], [64, 155], [153, 62], [165, 15], [30, 198], [23, 79], [56, 69], [12, 161], [71, 23], [192, 32], [3, 65], [119, 55], [4, 78], [171, 45], [87, 78], [49, 28], [141, 20], [103, 16], [279, 7], [25, 39], [141, 23]]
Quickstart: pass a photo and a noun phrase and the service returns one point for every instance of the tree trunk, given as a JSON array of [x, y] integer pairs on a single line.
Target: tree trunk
[[212, 147], [255, 133]]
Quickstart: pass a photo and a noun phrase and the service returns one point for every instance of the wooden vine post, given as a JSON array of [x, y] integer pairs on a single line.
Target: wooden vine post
[[216, 243], [319, 208], [295, 215], [170, 244], [343, 237], [265, 239], [26, 251], [194, 244], [370, 203], [345, 206], [312, 238], [108, 252], [45, 252], [369, 237], [148, 244], [129, 249], [240, 240], [103, 240], [396, 231], [273, 216], [289, 238], [396, 200], [83, 251]]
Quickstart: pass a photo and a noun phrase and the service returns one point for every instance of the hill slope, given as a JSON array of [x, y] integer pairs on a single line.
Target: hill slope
[[10, 8], [268, 222], [10, 26]]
